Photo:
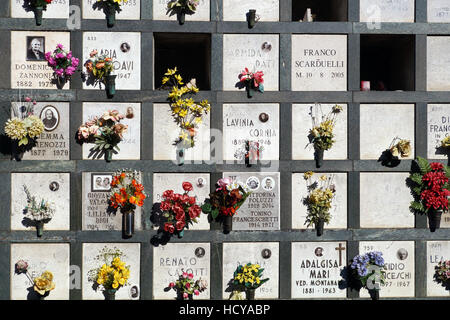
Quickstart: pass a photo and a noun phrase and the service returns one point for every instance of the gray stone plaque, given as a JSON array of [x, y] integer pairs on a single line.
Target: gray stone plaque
[[387, 10], [438, 11], [436, 251], [438, 117], [201, 14]]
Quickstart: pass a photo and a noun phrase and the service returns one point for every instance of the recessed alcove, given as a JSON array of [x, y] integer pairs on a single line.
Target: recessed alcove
[[388, 62], [189, 52], [324, 10]]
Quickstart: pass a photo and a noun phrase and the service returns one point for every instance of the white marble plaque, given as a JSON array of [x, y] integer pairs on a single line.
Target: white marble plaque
[[53, 143], [130, 146], [52, 187], [438, 120], [385, 200], [376, 138], [201, 14], [28, 69], [438, 63], [58, 9], [166, 131], [131, 10], [127, 62], [96, 193], [399, 261], [386, 11], [53, 257], [253, 122], [302, 123], [436, 251], [236, 10], [172, 259], [174, 181], [261, 210], [266, 254], [246, 51], [319, 62], [438, 11], [317, 269], [131, 257], [338, 209]]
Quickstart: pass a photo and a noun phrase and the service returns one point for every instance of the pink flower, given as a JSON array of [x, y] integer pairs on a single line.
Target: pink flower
[[70, 71], [93, 130], [185, 274], [60, 56], [171, 284], [75, 62], [223, 183], [27, 99], [48, 55], [185, 295], [69, 55], [93, 53], [188, 285], [59, 72], [196, 292], [190, 275], [60, 46]]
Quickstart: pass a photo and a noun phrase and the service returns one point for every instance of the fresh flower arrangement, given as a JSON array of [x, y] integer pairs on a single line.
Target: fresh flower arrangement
[[181, 8], [318, 201], [42, 285], [105, 131], [365, 266], [37, 6], [250, 278], [445, 143], [179, 210], [401, 148], [187, 113], [442, 272], [110, 7], [253, 81], [39, 212], [226, 201], [113, 273], [185, 286], [100, 69], [63, 64]]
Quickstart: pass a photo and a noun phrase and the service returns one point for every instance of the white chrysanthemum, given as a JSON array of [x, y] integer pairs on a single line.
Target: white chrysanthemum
[[15, 129], [36, 127]]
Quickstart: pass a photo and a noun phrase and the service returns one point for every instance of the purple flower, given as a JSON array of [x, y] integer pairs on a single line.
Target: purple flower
[[60, 46], [52, 62], [59, 72], [75, 62], [48, 55], [70, 71], [69, 55], [60, 56]]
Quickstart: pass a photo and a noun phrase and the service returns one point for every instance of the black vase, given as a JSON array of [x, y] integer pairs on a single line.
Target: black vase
[[60, 82], [110, 16], [38, 15], [319, 227], [128, 223], [16, 151], [181, 17], [434, 219], [108, 155], [251, 18], [374, 294], [318, 156], [180, 296], [110, 86], [250, 294], [227, 224], [249, 89], [110, 294]]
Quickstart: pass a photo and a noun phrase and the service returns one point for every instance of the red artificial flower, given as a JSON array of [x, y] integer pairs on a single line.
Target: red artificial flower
[[180, 225], [187, 186], [192, 200], [436, 166], [168, 227], [168, 194]]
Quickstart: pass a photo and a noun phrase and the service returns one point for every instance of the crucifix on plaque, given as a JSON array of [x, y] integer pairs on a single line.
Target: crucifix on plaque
[[340, 249]]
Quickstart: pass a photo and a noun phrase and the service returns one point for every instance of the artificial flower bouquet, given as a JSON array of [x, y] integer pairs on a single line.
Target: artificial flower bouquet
[[253, 81], [106, 132], [430, 186], [63, 63], [318, 201], [445, 143], [369, 270], [226, 201], [113, 273], [38, 212], [179, 210], [38, 7], [24, 128], [401, 148], [181, 8], [127, 192], [442, 273], [42, 285], [186, 286], [110, 7], [100, 69], [321, 135], [248, 278]]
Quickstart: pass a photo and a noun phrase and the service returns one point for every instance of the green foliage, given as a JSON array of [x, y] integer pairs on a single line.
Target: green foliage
[[423, 165]]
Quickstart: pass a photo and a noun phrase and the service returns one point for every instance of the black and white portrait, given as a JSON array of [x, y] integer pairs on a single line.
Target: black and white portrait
[[253, 183], [318, 251], [266, 253], [402, 254], [134, 292], [200, 252], [125, 47], [35, 49], [268, 183], [266, 46], [100, 182], [200, 182], [263, 117], [130, 113], [54, 186], [50, 117]]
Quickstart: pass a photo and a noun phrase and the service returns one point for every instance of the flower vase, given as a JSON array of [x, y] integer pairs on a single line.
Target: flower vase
[[181, 17], [250, 294], [318, 156], [374, 294], [434, 219], [39, 228], [180, 296], [181, 234], [249, 89], [110, 85], [319, 227], [128, 222], [227, 224], [110, 294], [38, 15], [15, 150], [108, 154], [110, 16], [251, 18], [60, 82], [180, 155]]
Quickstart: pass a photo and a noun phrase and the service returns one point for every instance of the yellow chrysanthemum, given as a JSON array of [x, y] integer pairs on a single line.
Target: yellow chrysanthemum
[[15, 129]]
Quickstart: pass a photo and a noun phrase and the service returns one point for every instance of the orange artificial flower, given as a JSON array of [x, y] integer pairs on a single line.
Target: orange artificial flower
[[100, 65]]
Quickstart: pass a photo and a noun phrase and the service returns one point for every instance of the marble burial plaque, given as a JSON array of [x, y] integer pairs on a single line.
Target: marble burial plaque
[[266, 254], [399, 261], [376, 138], [131, 10], [261, 210], [436, 251], [385, 200], [302, 123], [257, 52], [236, 10], [317, 269], [52, 187], [172, 259], [438, 63], [201, 14], [438, 118], [253, 122], [438, 11], [319, 62], [131, 257], [166, 131], [130, 146], [96, 193], [53, 143], [125, 50], [338, 209], [29, 69], [53, 257], [174, 181], [386, 10], [58, 9]]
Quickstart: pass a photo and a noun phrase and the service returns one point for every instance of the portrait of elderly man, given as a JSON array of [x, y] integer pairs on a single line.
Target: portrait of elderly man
[[35, 48]]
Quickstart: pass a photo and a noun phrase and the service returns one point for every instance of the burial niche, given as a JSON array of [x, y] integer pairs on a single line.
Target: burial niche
[[321, 10]]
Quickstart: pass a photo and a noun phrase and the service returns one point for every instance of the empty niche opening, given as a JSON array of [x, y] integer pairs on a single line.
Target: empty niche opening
[[189, 52], [388, 62], [322, 10]]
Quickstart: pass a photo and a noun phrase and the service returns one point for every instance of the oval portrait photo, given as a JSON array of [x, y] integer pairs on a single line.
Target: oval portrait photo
[[50, 117]]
